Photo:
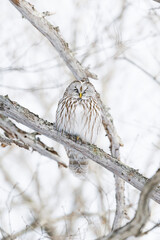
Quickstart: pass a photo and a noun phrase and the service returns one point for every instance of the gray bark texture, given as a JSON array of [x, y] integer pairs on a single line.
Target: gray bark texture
[[22, 115]]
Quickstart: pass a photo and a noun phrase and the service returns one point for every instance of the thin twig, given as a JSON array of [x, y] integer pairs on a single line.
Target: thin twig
[[28, 228], [40, 219], [149, 230], [139, 67]]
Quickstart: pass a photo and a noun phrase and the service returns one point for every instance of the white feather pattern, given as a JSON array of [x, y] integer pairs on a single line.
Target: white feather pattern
[[80, 117]]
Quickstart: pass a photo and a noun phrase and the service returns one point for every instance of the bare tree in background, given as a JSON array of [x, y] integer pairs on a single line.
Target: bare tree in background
[[35, 202]]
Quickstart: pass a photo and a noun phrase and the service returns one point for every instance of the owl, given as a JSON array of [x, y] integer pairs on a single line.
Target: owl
[[78, 113]]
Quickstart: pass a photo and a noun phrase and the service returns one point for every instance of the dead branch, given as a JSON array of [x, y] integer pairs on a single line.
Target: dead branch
[[26, 140], [29, 119], [28, 228], [41, 219], [134, 227], [52, 33], [149, 230], [120, 202], [115, 144]]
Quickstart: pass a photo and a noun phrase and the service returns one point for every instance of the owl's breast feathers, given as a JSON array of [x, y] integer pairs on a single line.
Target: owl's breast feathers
[[79, 117]]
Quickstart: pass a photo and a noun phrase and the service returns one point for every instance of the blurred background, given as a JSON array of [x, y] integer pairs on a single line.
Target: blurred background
[[120, 42]]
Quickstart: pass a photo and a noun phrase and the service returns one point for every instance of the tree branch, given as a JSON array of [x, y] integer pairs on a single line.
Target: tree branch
[[133, 228], [28, 228], [139, 67], [115, 144], [52, 33], [27, 118], [41, 218], [26, 140]]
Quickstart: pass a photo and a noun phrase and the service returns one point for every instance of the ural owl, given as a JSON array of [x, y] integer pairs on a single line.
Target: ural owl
[[79, 114]]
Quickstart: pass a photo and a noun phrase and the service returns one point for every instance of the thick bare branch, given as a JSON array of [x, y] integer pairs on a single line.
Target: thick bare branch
[[26, 140], [53, 35], [133, 228], [120, 202], [25, 117], [115, 144]]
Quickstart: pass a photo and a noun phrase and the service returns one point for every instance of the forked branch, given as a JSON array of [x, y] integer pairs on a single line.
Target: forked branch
[[134, 227], [24, 116], [26, 140]]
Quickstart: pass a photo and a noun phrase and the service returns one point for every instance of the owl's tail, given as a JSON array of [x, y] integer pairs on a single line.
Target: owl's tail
[[78, 164], [78, 167]]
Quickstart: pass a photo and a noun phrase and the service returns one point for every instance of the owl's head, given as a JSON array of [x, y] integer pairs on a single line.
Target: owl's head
[[80, 90]]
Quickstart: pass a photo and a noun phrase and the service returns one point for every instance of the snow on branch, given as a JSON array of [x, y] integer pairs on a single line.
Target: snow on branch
[[134, 227], [52, 33], [22, 115]]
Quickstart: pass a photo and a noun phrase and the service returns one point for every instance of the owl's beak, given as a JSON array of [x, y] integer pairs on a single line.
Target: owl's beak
[[80, 95]]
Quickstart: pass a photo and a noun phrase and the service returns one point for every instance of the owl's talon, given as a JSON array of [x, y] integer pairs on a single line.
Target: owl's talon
[[95, 150]]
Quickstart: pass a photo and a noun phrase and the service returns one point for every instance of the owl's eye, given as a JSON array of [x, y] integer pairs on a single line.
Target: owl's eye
[[76, 90], [85, 91]]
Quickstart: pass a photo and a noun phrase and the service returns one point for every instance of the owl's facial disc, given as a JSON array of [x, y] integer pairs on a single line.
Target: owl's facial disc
[[81, 90]]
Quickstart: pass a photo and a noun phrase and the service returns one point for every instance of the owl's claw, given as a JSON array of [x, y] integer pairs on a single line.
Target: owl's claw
[[78, 139]]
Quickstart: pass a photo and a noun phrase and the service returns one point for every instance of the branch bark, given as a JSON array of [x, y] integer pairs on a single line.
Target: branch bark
[[52, 33], [28, 141], [27, 118], [115, 144], [134, 227]]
